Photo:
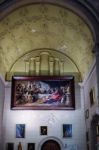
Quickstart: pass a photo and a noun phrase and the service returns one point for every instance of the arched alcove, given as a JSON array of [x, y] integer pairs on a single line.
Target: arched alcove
[[50, 144], [53, 141], [44, 62]]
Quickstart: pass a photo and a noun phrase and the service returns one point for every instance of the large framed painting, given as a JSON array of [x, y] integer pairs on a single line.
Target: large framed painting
[[43, 93]]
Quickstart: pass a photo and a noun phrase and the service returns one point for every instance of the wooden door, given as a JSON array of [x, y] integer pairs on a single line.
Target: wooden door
[[50, 145]]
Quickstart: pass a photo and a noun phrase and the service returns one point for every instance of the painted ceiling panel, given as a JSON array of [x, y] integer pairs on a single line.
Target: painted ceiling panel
[[45, 26]]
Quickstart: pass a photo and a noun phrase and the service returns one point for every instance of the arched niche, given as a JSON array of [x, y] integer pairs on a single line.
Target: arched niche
[[44, 62], [49, 139]]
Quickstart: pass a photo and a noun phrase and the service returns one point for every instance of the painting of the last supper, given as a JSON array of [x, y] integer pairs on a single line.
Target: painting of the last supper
[[43, 93]]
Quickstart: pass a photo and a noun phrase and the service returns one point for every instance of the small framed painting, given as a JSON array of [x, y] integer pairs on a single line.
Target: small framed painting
[[43, 130], [67, 130], [20, 130], [31, 146], [10, 146]]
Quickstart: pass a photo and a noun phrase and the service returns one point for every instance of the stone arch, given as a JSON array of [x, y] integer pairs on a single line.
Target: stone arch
[[57, 140], [24, 47], [44, 62]]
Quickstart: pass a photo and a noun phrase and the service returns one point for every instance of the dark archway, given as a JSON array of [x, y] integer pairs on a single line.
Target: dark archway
[[50, 145]]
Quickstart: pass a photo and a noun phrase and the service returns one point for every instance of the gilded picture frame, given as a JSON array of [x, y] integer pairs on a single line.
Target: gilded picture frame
[[43, 93]]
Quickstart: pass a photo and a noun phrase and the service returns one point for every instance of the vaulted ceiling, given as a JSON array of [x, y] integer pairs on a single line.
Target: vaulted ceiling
[[48, 26]]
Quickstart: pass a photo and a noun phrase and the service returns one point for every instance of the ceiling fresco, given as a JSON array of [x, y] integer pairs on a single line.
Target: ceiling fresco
[[45, 26]]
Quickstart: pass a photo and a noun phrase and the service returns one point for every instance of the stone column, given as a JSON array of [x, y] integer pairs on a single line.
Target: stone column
[[61, 67], [51, 65], [37, 63], [32, 66], [44, 65], [27, 67], [96, 51], [57, 67]]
